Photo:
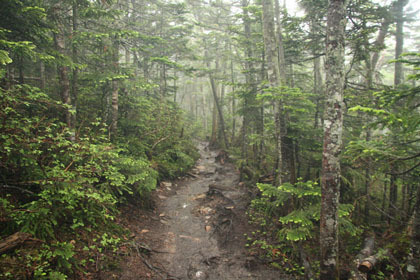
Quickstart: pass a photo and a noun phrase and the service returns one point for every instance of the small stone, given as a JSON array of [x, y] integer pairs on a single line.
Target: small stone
[[208, 228], [162, 215], [199, 274], [144, 231], [205, 210], [162, 197], [200, 196], [166, 184]]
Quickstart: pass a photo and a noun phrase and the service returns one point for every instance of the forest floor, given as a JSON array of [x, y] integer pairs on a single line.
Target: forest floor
[[195, 229]]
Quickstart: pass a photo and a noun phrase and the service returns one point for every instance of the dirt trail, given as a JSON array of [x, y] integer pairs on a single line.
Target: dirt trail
[[197, 229]]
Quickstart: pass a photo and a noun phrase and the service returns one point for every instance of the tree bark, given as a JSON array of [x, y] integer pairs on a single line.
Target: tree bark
[[273, 72], [333, 130], [74, 81], [399, 40], [62, 70], [251, 86], [115, 92], [219, 109], [413, 264]]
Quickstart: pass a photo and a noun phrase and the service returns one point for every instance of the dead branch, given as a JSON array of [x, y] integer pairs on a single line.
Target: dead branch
[[19, 189], [15, 240]]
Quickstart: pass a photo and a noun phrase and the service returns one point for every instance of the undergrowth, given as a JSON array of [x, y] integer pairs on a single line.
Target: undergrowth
[[63, 188]]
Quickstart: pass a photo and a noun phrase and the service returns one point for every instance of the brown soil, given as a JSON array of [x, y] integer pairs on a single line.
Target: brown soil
[[196, 230]]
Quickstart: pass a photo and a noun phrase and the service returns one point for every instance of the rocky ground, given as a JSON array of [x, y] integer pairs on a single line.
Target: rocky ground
[[195, 230]]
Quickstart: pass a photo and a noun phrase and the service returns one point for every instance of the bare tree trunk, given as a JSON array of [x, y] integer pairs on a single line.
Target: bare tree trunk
[[214, 126], [413, 264], [333, 130], [219, 109], [74, 81], [280, 48], [399, 40], [273, 72], [249, 78], [42, 75], [115, 93], [379, 42], [63, 70], [233, 103]]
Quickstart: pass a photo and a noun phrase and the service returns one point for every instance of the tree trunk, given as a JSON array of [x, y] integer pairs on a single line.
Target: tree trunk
[[251, 86], [393, 196], [379, 42], [399, 40], [42, 75], [413, 264], [333, 130], [63, 70], [214, 129], [115, 93], [74, 81], [273, 72], [219, 109], [280, 48]]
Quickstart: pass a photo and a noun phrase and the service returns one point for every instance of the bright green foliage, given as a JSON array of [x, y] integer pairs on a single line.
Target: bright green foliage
[[72, 186], [305, 197], [63, 182], [291, 226]]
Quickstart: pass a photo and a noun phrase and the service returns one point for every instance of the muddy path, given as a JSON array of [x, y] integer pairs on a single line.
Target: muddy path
[[196, 230]]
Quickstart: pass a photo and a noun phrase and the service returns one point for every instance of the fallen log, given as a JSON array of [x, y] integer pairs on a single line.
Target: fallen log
[[369, 262], [369, 245], [14, 240]]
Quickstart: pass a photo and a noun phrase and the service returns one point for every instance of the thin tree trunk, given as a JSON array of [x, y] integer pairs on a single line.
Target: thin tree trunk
[[42, 75], [280, 48], [379, 42], [219, 109], [384, 201], [393, 196], [74, 81], [273, 72], [115, 93], [250, 81], [367, 184], [63, 70], [214, 126], [399, 40], [333, 130], [413, 263]]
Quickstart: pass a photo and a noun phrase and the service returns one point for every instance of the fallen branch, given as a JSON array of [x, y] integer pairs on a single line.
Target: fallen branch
[[192, 175], [145, 248], [15, 240], [151, 267]]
